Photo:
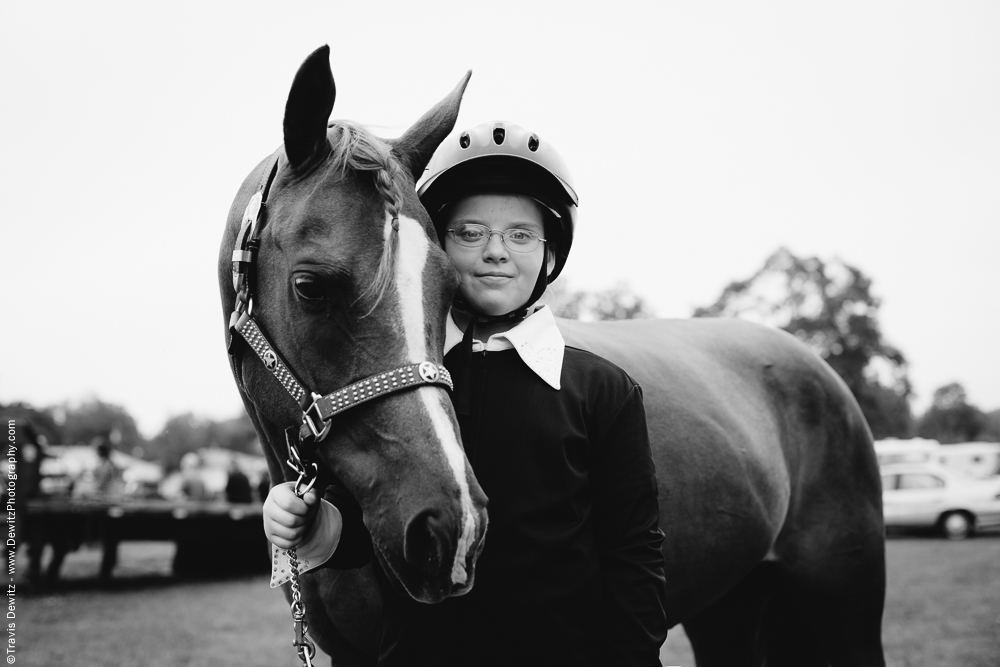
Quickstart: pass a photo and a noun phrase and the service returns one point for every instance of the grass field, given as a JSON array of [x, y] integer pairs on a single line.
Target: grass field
[[942, 609]]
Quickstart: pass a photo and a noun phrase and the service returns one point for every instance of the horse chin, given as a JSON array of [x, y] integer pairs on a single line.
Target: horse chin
[[429, 590]]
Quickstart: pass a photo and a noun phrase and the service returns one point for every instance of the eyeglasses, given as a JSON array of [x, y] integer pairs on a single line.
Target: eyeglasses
[[476, 236]]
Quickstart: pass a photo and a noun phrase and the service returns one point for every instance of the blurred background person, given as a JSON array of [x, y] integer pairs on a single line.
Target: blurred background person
[[193, 485], [238, 485], [109, 485]]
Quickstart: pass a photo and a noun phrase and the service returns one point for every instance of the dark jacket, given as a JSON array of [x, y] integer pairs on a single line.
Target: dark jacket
[[572, 572]]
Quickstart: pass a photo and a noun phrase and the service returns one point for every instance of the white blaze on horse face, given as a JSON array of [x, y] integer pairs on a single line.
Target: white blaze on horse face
[[411, 258]]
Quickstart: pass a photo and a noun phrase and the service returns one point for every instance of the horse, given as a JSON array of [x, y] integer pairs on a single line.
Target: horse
[[769, 491], [335, 295], [770, 496]]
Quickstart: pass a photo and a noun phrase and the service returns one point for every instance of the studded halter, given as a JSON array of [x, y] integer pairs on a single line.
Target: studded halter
[[317, 410]]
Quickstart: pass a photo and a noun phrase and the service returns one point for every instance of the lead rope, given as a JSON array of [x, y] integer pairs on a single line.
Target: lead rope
[[305, 649]]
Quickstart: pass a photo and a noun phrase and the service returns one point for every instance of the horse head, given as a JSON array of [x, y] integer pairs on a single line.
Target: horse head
[[337, 265]]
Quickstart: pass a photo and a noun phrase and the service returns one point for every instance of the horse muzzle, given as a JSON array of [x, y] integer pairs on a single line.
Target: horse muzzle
[[438, 554]]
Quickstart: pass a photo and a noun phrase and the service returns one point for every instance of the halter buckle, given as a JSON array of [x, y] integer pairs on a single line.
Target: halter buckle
[[310, 421]]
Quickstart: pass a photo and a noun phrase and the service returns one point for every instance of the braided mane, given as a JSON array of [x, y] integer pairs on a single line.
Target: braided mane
[[355, 147]]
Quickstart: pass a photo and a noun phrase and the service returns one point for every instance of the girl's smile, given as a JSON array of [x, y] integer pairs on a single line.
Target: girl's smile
[[495, 279]]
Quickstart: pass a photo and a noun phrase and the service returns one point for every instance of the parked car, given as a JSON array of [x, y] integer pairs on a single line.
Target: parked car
[[929, 496]]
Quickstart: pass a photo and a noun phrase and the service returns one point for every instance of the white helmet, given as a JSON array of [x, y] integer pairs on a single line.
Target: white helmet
[[503, 157]]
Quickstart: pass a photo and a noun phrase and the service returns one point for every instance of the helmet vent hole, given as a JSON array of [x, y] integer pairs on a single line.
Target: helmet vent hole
[[463, 140], [498, 135], [532, 143]]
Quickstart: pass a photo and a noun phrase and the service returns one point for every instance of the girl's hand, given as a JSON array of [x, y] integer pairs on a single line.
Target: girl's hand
[[288, 518]]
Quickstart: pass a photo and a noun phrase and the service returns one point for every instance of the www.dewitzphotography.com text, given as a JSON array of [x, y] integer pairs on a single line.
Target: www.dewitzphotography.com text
[[11, 495]]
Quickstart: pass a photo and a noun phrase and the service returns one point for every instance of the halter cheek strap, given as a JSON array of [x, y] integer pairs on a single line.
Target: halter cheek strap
[[317, 410]]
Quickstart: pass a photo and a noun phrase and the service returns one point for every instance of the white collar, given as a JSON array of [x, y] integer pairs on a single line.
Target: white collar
[[536, 339]]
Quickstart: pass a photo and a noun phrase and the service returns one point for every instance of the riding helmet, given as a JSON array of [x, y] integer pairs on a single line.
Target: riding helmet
[[503, 157]]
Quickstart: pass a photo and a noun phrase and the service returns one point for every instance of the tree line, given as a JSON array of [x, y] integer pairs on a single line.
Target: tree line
[[96, 421], [831, 307]]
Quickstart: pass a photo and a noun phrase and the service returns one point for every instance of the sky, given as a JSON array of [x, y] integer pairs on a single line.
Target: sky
[[701, 137]]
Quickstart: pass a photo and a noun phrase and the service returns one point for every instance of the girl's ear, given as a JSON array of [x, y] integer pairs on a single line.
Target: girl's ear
[[550, 262]]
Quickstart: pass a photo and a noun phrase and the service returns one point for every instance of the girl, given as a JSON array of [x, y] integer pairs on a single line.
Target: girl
[[572, 572]]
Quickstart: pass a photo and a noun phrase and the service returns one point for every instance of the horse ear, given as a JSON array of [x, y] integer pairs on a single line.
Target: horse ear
[[307, 111], [417, 144]]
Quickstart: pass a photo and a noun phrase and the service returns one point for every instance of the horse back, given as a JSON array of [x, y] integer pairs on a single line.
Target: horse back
[[758, 445]]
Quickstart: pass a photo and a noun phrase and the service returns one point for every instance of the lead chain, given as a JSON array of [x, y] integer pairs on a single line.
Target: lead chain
[[303, 646]]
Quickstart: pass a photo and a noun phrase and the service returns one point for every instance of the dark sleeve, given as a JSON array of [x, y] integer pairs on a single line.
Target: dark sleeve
[[355, 547], [629, 539]]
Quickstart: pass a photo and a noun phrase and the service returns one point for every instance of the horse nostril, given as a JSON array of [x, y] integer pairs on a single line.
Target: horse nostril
[[425, 544]]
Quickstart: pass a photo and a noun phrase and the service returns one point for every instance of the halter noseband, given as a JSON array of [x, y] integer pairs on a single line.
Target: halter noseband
[[317, 410]]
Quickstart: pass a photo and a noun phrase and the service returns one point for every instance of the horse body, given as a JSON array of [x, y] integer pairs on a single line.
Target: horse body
[[769, 490], [770, 497]]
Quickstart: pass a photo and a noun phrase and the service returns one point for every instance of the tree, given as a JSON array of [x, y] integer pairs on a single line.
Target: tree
[[94, 419], [951, 418], [42, 421], [830, 307], [181, 434], [991, 427], [237, 434], [616, 303], [188, 433]]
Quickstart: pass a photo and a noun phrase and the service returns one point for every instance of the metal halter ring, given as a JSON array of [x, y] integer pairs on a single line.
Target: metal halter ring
[[307, 479], [312, 477]]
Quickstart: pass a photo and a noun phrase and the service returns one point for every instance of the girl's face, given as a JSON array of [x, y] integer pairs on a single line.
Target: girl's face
[[495, 279]]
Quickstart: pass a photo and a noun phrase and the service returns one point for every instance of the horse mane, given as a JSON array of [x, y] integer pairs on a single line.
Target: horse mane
[[355, 147]]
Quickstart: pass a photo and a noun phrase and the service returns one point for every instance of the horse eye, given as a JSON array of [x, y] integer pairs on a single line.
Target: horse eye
[[308, 288]]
